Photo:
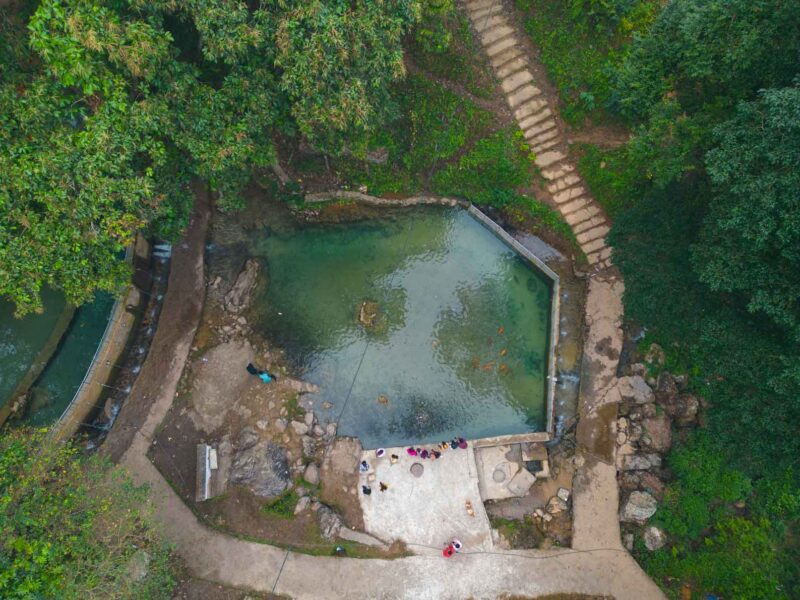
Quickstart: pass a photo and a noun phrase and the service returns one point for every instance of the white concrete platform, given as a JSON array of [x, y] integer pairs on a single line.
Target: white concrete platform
[[427, 511]]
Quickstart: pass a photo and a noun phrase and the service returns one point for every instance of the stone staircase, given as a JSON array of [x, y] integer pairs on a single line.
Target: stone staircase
[[494, 24]]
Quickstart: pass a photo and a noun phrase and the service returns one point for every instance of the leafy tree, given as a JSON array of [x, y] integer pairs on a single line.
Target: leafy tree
[[750, 243], [708, 54], [74, 528], [123, 103], [337, 60]]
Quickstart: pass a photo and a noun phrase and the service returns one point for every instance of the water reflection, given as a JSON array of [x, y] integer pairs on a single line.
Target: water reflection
[[458, 347]]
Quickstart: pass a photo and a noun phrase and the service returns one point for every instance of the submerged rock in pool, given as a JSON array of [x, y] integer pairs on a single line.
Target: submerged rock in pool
[[368, 313]]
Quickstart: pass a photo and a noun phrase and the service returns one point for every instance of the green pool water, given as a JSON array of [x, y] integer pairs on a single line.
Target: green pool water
[[21, 340], [459, 346]]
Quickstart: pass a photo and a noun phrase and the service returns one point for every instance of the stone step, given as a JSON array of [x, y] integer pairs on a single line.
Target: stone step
[[482, 13], [507, 55], [557, 172], [546, 136], [515, 64], [581, 215], [474, 5], [546, 125], [600, 255], [526, 122], [588, 224], [569, 194], [529, 108], [593, 246], [575, 205], [485, 23], [498, 32], [512, 82], [566, 181], [522, 95], [547, 159], [592, 234], [501, 45], [545, 146]]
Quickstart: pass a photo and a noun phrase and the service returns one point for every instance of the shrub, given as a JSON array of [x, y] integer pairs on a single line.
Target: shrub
[[499, 162], [71, 527]]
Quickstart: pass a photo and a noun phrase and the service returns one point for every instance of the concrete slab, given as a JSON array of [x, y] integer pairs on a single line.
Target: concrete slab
[[427, 511], [521, 482]]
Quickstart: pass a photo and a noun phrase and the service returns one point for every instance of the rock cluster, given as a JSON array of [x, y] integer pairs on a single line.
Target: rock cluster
[[649, 411]]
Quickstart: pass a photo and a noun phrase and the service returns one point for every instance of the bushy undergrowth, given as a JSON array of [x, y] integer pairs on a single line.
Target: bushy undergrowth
[[501, 161], [581, 44], [459, 60], [73, 527]]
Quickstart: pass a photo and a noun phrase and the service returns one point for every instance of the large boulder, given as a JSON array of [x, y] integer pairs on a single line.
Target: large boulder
[[650, 482], [238, 297], [635, 389], [654, 538], [263, 467], [666, 388], [556, 505], [639, 507], [311, 474], [330, 522], [640, 462], [659, 432], [687, 410]]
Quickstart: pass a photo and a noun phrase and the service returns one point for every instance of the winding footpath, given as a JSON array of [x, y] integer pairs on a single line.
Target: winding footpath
[[596, 564]]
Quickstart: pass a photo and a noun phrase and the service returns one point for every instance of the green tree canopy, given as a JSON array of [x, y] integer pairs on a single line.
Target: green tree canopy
[[751, 240], [121, 103]]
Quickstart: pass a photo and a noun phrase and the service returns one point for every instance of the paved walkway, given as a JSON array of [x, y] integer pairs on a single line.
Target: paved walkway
[[425, 510], [502, 42]]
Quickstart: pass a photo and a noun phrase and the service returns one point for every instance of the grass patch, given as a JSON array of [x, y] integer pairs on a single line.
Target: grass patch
[[282, 506], [460, 62], [293, 408], [519, 533], [434, 125], [537, 217], [581, 50], [501, 161], [613, 180]]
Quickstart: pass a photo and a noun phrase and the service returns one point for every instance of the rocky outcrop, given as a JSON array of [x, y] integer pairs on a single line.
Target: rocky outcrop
[[649, 410], [330, 522], [261, 466], [238, 298]]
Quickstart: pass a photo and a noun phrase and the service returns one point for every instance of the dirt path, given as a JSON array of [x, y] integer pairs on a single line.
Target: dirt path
[[177, 324]]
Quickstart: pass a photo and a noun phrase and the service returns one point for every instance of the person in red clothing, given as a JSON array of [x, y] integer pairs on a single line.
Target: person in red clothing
[[449, 551]]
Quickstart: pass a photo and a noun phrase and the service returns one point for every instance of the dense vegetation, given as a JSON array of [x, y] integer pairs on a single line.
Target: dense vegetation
[[74, 528], [108, 109], [707, 234]]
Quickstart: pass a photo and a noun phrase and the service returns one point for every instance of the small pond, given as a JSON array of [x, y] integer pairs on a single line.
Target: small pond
[[459, 343]]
